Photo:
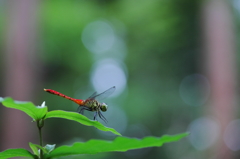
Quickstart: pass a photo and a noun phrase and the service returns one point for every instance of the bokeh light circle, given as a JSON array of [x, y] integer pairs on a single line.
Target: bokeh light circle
[[232, 135], [108, 73], [98, 37], [194, 90], [204, 132]]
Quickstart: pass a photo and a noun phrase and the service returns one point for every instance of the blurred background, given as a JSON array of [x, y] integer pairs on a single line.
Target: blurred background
[[174, 64]]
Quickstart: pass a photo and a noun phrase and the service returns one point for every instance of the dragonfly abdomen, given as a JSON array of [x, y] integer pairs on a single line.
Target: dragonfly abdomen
[[78, 101]]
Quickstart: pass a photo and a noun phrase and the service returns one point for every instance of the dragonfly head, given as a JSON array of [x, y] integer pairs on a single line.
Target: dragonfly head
[[103, 107]]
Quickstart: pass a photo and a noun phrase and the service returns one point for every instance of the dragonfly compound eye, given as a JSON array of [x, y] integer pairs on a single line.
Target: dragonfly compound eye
[[104, 107]]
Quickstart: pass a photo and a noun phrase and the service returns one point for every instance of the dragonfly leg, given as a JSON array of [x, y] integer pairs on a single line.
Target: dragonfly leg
[[81, 109], [102, 117], [95, 116]]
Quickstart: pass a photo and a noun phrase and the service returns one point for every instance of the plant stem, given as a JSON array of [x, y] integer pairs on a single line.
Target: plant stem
[[40, 124], [40, 136], [40, 141]]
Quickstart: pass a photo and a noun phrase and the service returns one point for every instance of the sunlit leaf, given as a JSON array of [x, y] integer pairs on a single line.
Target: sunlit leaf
[[119, 144], [79, 118]]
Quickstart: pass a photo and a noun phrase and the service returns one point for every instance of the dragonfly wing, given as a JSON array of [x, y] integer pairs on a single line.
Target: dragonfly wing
[[93, 95], [103, 94]]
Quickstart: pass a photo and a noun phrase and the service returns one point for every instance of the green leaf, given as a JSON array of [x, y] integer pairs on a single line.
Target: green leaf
[[79, 118], [34, 149], [16, 153], [29, 108], [119, 144]]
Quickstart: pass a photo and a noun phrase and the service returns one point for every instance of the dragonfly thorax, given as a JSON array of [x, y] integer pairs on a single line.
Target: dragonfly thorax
[[95, 105]]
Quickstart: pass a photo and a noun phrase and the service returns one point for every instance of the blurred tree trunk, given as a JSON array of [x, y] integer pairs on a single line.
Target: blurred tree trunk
[[219, 56], [20, 74]]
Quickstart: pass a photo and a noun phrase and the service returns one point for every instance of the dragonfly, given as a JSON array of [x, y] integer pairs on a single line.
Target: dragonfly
[[91, 103]]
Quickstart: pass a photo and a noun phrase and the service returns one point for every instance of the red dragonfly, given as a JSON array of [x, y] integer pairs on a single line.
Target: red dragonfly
[[90, 104]]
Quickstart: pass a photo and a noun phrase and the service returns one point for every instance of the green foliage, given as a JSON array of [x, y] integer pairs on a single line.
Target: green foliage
[[40, 113], [36, 113], [34, 149], [120, 144], [16, 153]]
